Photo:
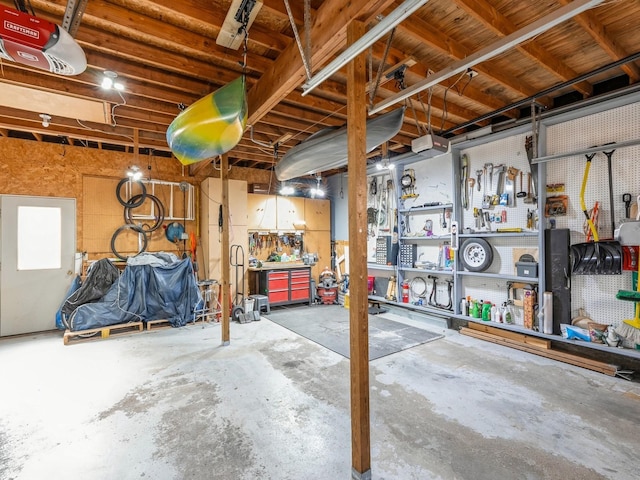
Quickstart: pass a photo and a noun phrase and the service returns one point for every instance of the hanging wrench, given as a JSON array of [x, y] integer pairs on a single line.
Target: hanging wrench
[[479, 176], [489, 167]]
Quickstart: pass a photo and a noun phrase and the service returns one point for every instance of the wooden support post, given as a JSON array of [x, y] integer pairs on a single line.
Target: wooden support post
[[224, 252], [358, 292]]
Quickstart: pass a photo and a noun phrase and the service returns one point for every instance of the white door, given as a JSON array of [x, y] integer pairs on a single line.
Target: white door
[[37, 251]]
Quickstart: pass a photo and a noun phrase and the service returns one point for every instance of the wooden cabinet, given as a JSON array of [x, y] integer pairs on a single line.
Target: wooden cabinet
[[261, 212], [290, 213], [317, 214], [211, 238]]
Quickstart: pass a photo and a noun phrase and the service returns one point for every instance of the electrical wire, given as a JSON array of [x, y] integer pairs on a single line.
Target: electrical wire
[[113, 108], [444, 100]]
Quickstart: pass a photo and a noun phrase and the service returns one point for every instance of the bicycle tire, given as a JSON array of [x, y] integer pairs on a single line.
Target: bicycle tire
[[129, 203], [159, 218], [122, 229]]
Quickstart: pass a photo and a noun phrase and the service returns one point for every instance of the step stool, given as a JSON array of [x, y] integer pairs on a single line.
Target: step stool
[[259, 302]]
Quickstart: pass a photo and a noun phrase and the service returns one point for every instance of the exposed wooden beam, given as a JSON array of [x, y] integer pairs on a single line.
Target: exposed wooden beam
[[196, 169], [422, 31], [147, 31], [594, 27], [358, 293], [492, 19], [484, 100], [287, 72]]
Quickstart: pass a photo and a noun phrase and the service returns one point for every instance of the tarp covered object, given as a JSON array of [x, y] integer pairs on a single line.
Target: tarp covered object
[[100, 278], [142, 293]]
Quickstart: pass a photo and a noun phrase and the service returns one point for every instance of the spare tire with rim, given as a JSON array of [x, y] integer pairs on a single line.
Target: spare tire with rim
[[476, 254]]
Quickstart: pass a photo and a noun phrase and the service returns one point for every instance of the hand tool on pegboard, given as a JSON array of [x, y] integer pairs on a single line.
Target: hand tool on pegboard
[[521, 193], [464, 177], [509, 185], [470, 184], [597, 257], [626, 198], [609, 154]]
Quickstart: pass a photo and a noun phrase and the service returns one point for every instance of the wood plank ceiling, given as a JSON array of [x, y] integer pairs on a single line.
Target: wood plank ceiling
[[165, 54]]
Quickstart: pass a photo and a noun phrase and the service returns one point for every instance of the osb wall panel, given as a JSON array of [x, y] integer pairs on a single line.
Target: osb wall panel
[[90, 176], [103, 215]]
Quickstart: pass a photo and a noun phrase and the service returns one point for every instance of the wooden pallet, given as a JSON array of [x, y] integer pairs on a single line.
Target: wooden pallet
[[104, 332], [162, 324], [158, 324], [503, 337]]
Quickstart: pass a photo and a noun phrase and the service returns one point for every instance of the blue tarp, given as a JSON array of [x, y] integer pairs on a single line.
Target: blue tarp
[[142, 293]]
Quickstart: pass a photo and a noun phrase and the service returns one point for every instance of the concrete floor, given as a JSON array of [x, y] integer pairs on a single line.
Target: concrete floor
[[174, 404]]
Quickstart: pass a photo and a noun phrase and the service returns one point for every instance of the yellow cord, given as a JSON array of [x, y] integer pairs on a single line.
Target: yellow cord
[[583, 206]]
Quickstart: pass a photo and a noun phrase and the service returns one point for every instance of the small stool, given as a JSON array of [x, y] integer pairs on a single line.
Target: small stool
[[259, 302]]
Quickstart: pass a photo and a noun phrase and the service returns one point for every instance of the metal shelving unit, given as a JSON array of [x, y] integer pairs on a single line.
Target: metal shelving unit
[[429, 208], [421, 238], [418, 308], [431, 271], [512, 278], [528, 233], [377, 266]]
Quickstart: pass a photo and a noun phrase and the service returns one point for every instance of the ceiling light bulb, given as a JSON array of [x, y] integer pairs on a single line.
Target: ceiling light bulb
[[286, 189], [107, 83], [46, 119], [378, 165], [134, 173], [109, 80]]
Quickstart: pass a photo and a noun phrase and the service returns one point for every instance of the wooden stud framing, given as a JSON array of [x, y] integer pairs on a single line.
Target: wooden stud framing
[[359, 308]]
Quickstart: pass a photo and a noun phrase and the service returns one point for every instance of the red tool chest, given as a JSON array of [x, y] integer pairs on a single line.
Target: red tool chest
[[286, 286]]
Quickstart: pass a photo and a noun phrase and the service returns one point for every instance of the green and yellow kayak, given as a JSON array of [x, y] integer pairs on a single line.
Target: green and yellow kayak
[[211, 126]]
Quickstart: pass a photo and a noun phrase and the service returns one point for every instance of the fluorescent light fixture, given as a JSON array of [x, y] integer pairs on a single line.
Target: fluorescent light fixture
[[364, 42], [533, 29]]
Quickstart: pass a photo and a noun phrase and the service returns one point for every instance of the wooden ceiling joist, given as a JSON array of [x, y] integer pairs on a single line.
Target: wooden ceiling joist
[[593, 26], [492, 19]]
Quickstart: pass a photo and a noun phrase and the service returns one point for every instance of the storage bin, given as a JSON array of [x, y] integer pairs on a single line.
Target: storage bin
[[527, 269]]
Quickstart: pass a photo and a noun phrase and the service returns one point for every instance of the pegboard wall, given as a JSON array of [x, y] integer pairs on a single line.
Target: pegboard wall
[[433, 181], [509, 152], [383, 199], [597, 294]]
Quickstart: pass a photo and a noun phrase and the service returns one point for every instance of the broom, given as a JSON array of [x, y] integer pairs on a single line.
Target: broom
[[630, 329]]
